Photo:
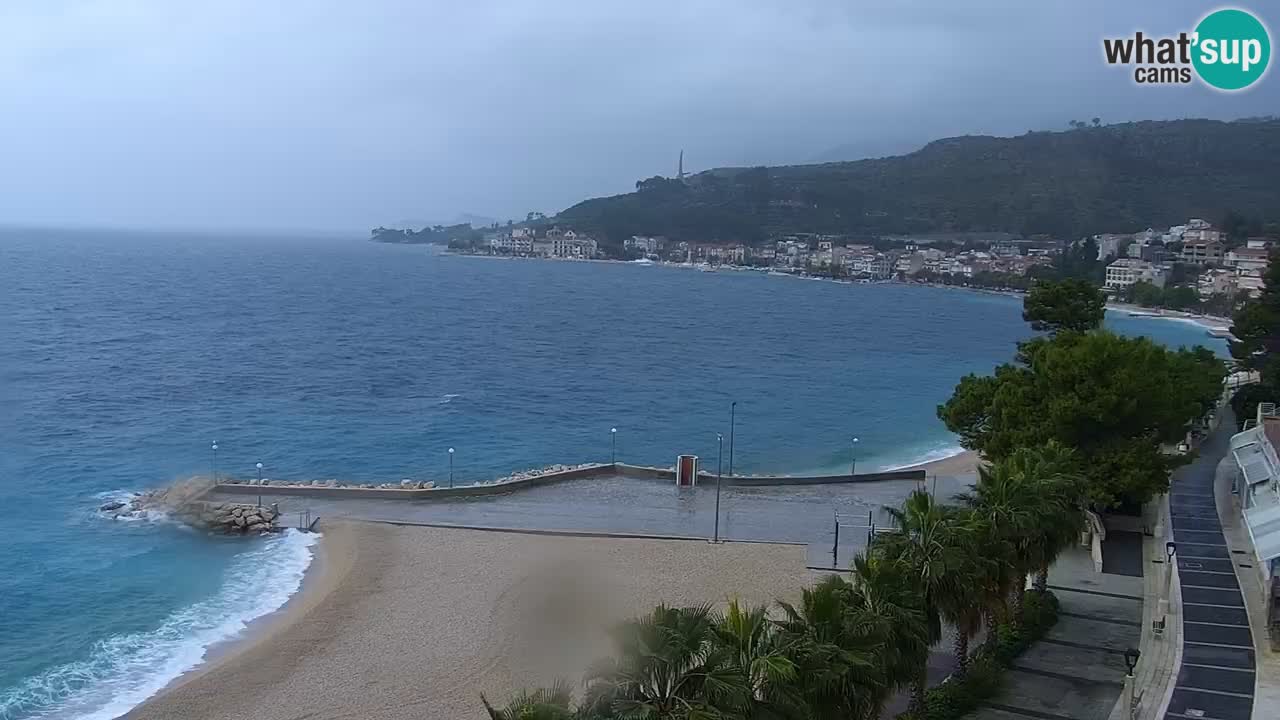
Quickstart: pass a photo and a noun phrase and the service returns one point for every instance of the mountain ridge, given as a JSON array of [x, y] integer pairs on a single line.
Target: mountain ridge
[[1111, 178]]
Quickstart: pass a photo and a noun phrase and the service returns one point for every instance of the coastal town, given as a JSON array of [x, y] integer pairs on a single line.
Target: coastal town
[[1193, 266]]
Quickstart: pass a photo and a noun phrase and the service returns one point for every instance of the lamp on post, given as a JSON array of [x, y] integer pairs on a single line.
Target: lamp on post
[[613, 446], [1170, 550], [719, 456], [1131, 656], [853, 457], [215, 462], [259, 484], [733, 407], [450, 467]]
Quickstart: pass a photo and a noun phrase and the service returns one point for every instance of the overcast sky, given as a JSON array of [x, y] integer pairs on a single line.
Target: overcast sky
[[342, 115]]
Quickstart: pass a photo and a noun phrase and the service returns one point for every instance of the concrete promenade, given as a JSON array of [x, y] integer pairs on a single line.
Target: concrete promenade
[[1217, 666]]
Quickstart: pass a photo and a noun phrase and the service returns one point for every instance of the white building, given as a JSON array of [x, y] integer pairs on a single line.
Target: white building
[[1258, 486], [1126, 271], [1216, 282]]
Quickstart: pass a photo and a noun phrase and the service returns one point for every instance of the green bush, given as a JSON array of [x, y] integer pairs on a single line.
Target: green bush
[[955, 697]]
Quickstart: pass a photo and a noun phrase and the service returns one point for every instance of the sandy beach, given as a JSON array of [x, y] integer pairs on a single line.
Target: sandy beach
[[964, 463], [399, 622]]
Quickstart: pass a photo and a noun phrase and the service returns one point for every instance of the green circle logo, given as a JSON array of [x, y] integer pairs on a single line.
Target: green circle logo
[[1232, 49]]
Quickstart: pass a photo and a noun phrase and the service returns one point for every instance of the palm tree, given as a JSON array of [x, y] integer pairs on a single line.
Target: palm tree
[[544, 704], [1052, 471], [927, 541], [1008, 501], [669, 667], [764, 655], [838, 669], [888, 605]]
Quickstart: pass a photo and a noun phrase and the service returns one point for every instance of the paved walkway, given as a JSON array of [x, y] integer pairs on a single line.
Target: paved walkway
[[1216, 675], [804, 513], [1077, 671]]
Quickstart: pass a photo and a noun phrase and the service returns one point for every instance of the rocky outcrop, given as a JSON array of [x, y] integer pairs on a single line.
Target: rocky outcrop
[[181, 502], [232, 518]]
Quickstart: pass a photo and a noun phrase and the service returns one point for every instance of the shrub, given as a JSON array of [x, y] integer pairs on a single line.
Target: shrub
[[955, 697]]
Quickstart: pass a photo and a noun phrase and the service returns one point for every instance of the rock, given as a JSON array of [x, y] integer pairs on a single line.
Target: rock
[[108, 507], [265, 482], [240, 521], [258, 527]]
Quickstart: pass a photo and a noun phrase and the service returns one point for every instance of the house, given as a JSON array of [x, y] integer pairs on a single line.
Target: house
[[1258, 486], [1126, 271], [1246, 259], [910, 264], [1109, 245], [1202, 248], [1216, 282]]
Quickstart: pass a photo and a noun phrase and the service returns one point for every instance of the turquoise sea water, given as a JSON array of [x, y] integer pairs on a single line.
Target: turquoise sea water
[[125, 355]]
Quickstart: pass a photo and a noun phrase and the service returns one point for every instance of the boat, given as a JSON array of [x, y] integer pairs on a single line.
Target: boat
[[704, 267]]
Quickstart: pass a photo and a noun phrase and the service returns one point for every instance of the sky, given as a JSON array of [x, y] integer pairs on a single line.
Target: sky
[[343, 115]]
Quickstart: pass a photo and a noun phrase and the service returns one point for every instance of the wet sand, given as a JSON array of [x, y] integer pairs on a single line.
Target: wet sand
[[413, 622]]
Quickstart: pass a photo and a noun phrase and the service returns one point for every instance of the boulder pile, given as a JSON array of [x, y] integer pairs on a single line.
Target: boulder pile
[[233, 518]]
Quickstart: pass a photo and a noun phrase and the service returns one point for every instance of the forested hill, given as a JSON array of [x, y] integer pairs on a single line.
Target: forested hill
[[1113, 178]]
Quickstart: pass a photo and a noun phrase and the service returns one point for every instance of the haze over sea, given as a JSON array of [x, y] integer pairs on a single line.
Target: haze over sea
[[125, 355]]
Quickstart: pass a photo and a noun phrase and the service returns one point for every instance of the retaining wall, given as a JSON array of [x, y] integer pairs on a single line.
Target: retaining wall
[[632, 471]]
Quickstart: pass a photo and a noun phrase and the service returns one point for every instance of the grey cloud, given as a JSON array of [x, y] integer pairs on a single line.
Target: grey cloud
[[343, 115]]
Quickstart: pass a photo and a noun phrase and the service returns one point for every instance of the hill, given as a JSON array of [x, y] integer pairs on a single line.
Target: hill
[[1113, 178]]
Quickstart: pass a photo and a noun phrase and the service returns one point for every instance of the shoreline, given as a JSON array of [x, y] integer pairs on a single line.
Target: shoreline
[[410, 622], [333, 561], [329, 563]]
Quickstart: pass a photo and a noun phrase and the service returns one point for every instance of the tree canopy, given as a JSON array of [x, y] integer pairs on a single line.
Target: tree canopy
[[1115, 400], [1072, 305]]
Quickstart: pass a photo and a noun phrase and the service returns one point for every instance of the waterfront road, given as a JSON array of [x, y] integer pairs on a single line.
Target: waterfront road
[[800, 514], [1216, 677]]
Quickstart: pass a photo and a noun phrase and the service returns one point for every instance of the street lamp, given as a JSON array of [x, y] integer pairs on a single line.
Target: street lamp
[[719, 456], [215, 462], [613, 446], [259, 484], [450, 467], [1131, 656], [733, 406], [853, 457]]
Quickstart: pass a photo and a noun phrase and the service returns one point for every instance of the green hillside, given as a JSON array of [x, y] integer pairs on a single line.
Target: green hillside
[[1115, 178]]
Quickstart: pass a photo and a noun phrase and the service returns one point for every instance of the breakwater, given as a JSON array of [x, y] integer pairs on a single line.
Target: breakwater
[[412, 490]]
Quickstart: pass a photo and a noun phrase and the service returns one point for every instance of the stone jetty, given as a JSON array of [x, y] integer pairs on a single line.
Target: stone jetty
[[182, 502]]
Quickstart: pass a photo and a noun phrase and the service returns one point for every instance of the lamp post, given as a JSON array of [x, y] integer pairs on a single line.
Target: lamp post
[[1131, 656], [215, 462], [853, 457], [450, 467], [613, 446], [259, 484], [733, 407], [719, 456], [1170, 550]]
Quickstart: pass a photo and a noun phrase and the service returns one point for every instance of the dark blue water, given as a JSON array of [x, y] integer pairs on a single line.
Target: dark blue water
[[124, 356]]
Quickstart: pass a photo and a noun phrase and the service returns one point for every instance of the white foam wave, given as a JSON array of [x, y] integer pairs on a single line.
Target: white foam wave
[[124, 670], [932, 455], [129, 513], [447, 398]]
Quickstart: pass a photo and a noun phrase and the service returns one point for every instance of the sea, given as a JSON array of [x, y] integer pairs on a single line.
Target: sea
[[125, 356]]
